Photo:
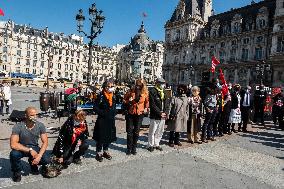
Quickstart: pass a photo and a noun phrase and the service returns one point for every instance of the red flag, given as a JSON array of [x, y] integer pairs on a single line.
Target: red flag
[[144, 14], [225, 88], [1, 12], [215, 62]]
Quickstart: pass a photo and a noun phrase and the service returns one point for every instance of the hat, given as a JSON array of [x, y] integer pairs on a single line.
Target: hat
[[160, 80], [249, 87]]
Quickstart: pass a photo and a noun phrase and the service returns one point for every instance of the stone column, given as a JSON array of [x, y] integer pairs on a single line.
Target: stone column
[[236, 75]]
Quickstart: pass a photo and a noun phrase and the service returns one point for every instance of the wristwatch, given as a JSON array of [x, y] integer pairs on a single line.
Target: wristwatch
[[30, 149]]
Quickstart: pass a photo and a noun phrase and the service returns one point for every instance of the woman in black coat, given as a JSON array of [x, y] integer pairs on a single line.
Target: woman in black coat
[[105, 131], [72, 134]]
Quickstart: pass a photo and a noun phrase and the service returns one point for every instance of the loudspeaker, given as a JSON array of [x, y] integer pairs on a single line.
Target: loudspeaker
[[17, 115]]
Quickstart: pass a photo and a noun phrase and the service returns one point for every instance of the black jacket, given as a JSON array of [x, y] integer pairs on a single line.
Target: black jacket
[[105, 131], [259, 98], [157, 105], [235, 101], [64, 140]]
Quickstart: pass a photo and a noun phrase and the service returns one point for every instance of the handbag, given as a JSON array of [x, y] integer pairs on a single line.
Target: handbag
[[53, 169], [174, 117]]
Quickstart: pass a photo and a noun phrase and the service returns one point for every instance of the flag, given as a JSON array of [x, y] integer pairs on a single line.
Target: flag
[[1, 12], [225, 88], [215, 62], [144, 14]]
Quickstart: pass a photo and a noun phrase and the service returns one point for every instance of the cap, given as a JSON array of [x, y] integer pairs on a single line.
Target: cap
[[160, 80], [249, 87]]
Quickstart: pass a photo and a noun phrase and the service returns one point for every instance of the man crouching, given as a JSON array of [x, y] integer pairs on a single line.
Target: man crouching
[[24, 143]]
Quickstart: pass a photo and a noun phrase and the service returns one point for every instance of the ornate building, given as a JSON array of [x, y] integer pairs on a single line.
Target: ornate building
[[104, 64], [242, 39], [142, 58], [27, 50]]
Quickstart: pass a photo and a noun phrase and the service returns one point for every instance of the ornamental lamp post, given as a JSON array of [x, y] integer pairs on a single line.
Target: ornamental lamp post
[[47, 45], [97, 22]]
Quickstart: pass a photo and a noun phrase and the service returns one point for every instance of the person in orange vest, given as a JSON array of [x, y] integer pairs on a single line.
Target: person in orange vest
[[137, 103]]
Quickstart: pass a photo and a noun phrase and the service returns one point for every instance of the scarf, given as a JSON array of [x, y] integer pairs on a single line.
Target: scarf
[[108, 97], [78, 131], [161, 92]]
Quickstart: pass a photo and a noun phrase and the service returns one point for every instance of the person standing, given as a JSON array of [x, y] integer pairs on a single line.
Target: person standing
[[246, 107], [137, 103], [278, 107], [225, 126], [159, 111], [195, 116], [259, 104], [24, 143], [105, 131], [1, 99], [72, 134], [179, 114], [210, 104], [235, 115], [7, 96]]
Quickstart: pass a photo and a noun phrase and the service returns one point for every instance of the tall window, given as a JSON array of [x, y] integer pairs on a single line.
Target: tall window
[[245, 41], [18, 61], [42, 64], [222, 56], [177, 35], [4, 58], [5, 49], [27, 70], [19, 52], [28, 62], [245, 54], [34, 63], [59, 66], [35, 55], [28, 45], [233, 54], [280, 44], [236, 27], [258, 53]]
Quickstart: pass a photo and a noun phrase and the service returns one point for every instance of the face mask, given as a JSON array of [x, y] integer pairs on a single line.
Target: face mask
[[162, 86], [111, 90], [33, 120]]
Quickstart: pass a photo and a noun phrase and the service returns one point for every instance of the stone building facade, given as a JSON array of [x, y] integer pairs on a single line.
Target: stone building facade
[[241, 39], [23, 50], [142, 58]]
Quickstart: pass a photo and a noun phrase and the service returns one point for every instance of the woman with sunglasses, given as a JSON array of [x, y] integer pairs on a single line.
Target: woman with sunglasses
[[137, 103]]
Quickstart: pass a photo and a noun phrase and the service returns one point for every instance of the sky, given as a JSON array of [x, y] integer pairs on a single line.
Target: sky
[[123, 17]]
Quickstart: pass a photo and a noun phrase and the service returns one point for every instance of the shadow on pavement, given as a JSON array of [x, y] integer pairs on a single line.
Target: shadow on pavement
[[5, 171]]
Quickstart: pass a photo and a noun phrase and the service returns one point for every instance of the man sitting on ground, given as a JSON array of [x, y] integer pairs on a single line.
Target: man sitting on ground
[[24, 143]]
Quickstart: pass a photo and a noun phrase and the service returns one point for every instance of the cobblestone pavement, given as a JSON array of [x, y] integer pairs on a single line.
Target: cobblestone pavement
[[243, 160]]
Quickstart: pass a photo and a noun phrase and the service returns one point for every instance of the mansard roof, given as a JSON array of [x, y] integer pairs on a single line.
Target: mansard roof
[[192, 7], [248, 14]]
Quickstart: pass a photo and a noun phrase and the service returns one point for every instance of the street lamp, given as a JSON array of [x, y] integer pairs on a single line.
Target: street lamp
[[261, 69], [46, 46], [97, 22]]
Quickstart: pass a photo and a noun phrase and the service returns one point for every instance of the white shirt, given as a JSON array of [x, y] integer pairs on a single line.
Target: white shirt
[[246, 101]]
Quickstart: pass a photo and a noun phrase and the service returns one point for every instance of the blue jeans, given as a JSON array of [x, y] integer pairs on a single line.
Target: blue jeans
[[16, 156], [207, 128]]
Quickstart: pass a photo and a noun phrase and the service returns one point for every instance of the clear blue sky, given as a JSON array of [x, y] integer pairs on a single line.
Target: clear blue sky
[[123, 17]]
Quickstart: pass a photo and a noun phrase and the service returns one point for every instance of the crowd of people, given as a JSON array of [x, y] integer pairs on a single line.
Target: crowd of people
[[222, 113]]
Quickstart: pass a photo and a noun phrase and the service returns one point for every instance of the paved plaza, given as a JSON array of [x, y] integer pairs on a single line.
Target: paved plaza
[[243, 160]]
